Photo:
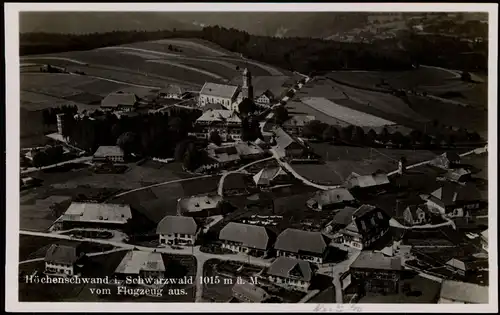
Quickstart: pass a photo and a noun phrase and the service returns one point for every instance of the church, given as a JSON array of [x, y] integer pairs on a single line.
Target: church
[[229, 96]]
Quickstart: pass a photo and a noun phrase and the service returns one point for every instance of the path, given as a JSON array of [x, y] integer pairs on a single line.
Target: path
[[55, 58], [309, 296], [180, 65], [77, 160], [220, 188], [122, 82]]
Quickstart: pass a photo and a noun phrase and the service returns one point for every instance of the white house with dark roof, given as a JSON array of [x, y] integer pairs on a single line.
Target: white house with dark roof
[[218, 93], [291, 273], [96, 215], [109, 153], [61, 260], [226, 123], [120, 101], [269, 176], [295, 124], [376, 180], [177, 230], [245, 238], [141, 264], [171, 91], [374, 272], [455, 200], [456, 292], [416, 215], [299, 244], [266, 98], [330, 199]]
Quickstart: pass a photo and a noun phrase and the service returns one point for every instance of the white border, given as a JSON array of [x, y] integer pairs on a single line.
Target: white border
[[11, 11]]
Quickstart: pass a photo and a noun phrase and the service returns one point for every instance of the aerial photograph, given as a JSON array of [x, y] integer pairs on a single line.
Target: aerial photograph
[[254, 157]]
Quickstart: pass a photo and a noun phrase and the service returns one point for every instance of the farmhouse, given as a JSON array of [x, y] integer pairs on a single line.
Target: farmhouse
[[270, 176], [265, 99], [484, 240], [141, 264], [330, 199], [94, 215], [342, 218], [291, 273], [225, 122], [245, 238], [365, 182], [455, 200], [457, 292], [120, 101], [368, 225], [446, 160], [199, 206], [416, 215], [295, 124], [177, 230], [374, 272], [62, 260], [171, 92], [460, 175], [109, 154], [290, 147], [305, 245], [236, 184], [218, 93], [249, 293]]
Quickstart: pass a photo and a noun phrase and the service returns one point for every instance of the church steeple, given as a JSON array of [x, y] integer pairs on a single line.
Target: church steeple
[[247, 88]]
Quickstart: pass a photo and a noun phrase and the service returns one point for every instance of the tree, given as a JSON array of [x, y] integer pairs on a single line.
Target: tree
[[180, 150], [192, 159], [397, 138], [358, 135], [371, 136], [314, 129], [127, 142], [346, 133], [280, 114], [246, 107], [170, 47], [416, 136], [215, 138], [384, 135], [40, 159], [329, 133]]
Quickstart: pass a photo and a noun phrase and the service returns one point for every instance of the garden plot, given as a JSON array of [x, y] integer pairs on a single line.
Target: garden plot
[[343, 113], [185, 67]]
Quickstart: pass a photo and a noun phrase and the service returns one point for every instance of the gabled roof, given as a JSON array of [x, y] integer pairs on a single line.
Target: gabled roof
[[344, 216], [216, 106], [171, 89], [266, 175], [236, 181], [108, 150], [98, 212], [298, 121], [484, 235], [367, 180], [464, 292], [374, 260], [457, 174], [456, 263], [287, 267], [332, 196], [414, 209], [119, 99], [249, 235], [268, 94], [177, 224], [61, 254], [136, 261], [219, 90], [250, 291], [220, 115], [294, 240], [451, 193]]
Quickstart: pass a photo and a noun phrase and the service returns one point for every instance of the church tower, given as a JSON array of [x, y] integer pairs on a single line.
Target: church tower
[[247, 88]]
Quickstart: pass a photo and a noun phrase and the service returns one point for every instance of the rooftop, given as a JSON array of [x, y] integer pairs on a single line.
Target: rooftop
[[108, 150], [298, 121], [136, 261], [375, 260], [451, 193], [61, 254], [219, 90], [98, 212], [177, 224], [171, 89], [266, 175], [119, 99], [287, 267], [294, 240], [464, 292], [367, 180], [250, 291], [332, 196], [220, 115], [198, 203], [249, 235], [344, 216]]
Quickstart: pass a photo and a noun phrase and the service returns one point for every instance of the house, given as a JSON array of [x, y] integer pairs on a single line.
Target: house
[[245, 238], [416, 215], [236, 184], [374, 272], [365, 182], [368, 225], [120, 101], [199, 206], [265, 99], [141, 264], [94, 215], [446, 160], [456, 292], [288, 146], [177, 230], [330, 199], [484, 240], [270, 176], [455, 200], [295, 124], [291, 273], [304, 245], [218, 93], [456, 265], [109, 154], [214, 106], [62, 260], [225, 122], [171, 92], [247, 292], [342, 218], [459, 175]]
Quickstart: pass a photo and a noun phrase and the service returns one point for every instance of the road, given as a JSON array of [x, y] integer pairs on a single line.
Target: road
[[84, 159]]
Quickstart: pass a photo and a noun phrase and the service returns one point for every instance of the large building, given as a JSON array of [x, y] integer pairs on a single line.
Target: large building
[[215, 93], [109, 153], [226, 123], [120, 101], [330, 199], [291, 273], [94, 215], [374, 272], [199, 206], [177, 230], [295, 124], [304, 245], [62, 260], [171, 92], [245, 238], [455, 200], [141, 264]]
